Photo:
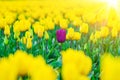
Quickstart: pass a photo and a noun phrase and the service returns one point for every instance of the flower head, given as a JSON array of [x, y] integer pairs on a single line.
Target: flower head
[[84, 28], [61, 35], [110, 67], [75, 65]]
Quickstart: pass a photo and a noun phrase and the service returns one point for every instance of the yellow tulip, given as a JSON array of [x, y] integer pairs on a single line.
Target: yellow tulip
[[29, 43], [7, 30], [84, 28], [46, 35]]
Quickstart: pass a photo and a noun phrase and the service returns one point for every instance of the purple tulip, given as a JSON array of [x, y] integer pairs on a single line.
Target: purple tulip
[[61, 35]]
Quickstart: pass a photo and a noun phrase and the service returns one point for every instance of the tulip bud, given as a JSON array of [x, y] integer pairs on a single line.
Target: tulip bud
[[46, 35]]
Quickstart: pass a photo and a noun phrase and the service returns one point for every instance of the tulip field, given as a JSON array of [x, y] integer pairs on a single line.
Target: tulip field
[[59, 40]]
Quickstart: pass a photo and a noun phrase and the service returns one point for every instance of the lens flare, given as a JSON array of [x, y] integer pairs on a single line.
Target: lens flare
[[112, 3]]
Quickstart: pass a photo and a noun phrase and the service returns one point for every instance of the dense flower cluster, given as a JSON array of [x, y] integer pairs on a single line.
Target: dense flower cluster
[[38, 27]]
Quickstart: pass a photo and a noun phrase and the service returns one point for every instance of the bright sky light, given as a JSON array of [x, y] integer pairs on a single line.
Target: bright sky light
[[112, 3]]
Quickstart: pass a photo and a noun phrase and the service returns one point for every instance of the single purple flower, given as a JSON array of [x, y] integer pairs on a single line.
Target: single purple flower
[[61, 35]]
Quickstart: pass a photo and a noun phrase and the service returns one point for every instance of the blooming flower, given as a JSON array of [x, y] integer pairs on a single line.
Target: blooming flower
[[61, 35], [84, 28], [73, 35], [97, 35], [2, 23], [110, 67], [21, 25], [63, 24], [38, 29], [22, 63], [76, 65], [114, 32], [70, 33], [77, 36], [104, 31]]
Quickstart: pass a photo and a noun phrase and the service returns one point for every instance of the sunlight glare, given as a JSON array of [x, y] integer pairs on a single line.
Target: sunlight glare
[[112, 3]]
